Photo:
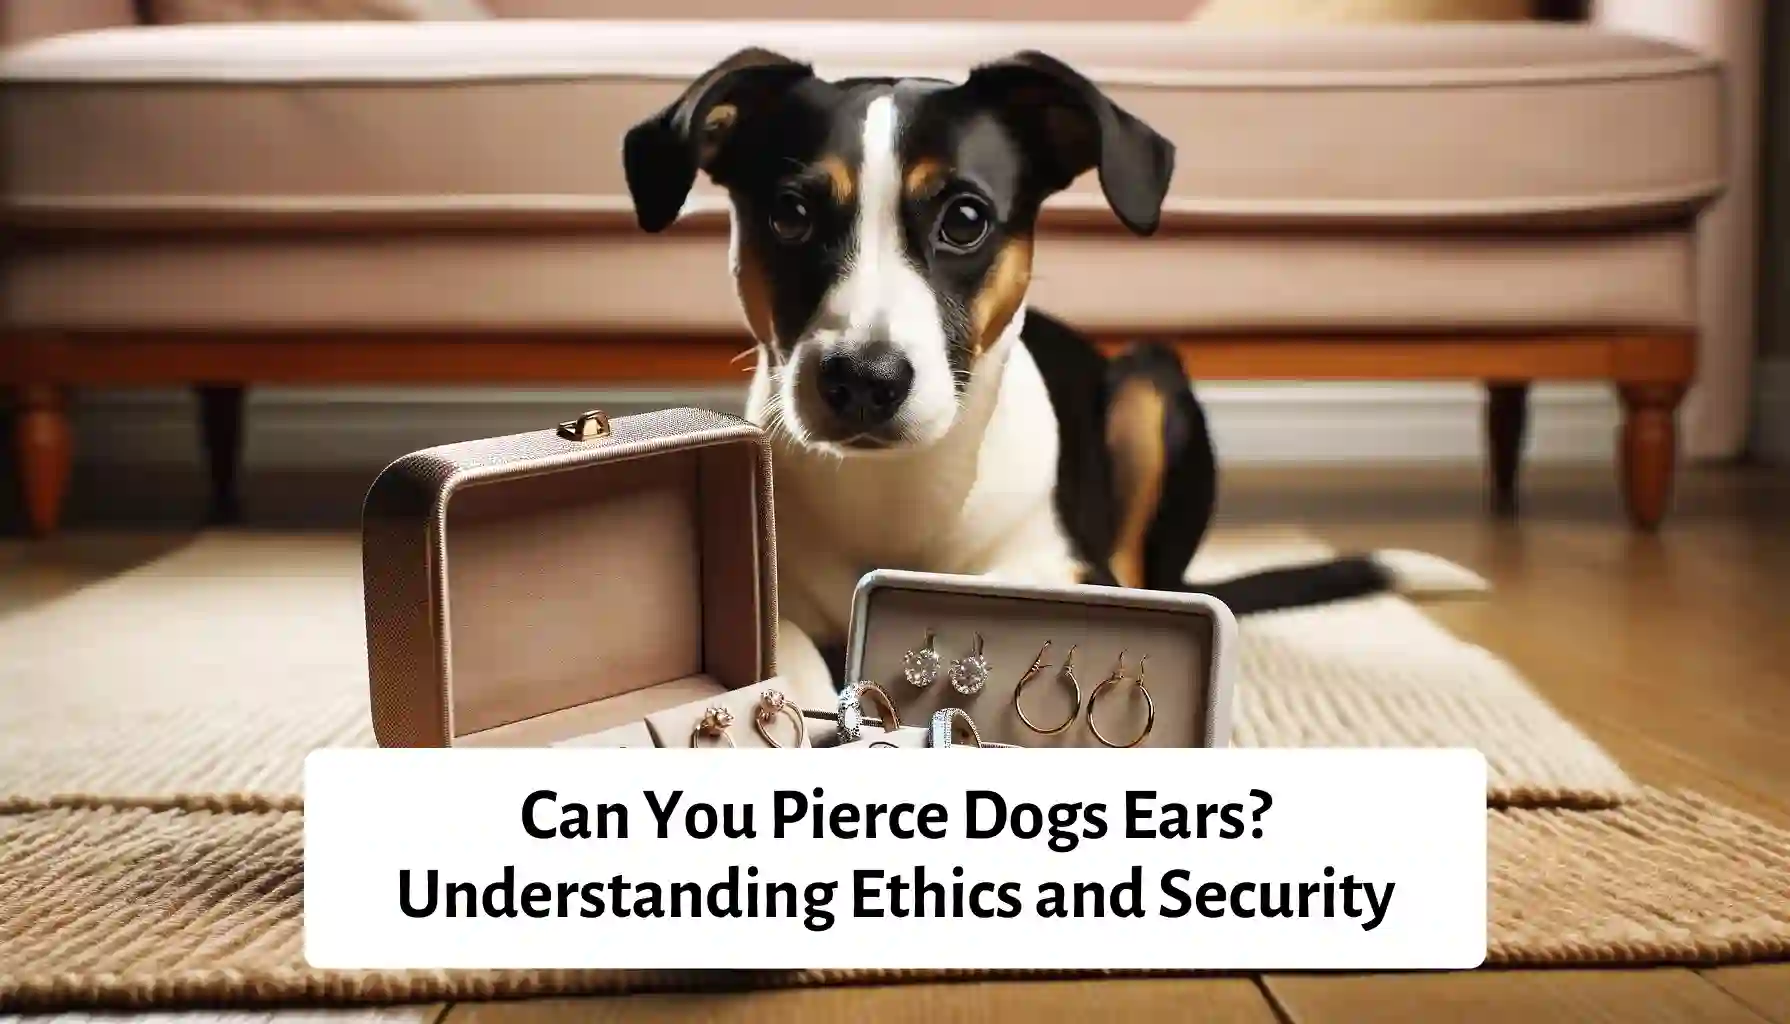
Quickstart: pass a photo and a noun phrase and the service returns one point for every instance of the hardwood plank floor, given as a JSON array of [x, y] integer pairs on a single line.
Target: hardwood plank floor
[[1671, 650], [1212, 1000], [1497, 997], [1765, 988]]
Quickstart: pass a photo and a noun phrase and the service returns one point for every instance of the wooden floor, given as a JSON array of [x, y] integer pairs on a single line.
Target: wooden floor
[[1672, 651]]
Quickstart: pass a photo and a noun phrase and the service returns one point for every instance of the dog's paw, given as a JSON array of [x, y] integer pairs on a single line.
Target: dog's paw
[[1421, 574]]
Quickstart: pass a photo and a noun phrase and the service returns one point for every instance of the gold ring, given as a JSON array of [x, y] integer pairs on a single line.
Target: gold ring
[[851, 710], [714, 723], [1110, 681], [771, 704], [1068, 674], [944, 728]]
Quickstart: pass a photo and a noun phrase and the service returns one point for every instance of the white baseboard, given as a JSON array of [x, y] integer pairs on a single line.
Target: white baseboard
[[1253, 423], [1771, 422]]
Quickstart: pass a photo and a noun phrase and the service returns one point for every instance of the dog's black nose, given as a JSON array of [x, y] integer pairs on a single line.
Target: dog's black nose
[[865, 389]]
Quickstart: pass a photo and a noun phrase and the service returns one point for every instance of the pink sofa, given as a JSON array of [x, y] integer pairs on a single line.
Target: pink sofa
[[376, 203]]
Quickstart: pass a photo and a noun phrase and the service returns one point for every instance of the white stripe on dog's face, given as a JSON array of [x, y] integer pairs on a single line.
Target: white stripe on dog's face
[[881, 299]]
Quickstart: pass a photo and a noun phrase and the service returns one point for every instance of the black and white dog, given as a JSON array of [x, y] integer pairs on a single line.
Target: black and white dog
[[922, 418]]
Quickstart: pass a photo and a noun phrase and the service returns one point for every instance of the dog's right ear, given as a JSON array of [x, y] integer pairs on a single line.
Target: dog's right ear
[[662, 154]]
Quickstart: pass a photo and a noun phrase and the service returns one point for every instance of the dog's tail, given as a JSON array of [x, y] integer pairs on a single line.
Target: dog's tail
[[1392, 571]]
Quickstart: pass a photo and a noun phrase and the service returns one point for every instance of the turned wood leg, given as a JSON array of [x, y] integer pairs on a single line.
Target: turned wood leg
[[1649, 449], [46, 454], [1506, 425], [220, 428]]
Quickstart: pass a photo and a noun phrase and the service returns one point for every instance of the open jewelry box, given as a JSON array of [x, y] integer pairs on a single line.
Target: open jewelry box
[[560, 587], [1170, 658]]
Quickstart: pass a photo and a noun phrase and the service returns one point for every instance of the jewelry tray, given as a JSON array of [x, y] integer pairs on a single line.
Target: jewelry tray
[[1190, 641]]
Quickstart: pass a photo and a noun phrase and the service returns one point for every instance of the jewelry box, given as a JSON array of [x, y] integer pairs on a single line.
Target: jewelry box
[[1100, 666], [563, 586]]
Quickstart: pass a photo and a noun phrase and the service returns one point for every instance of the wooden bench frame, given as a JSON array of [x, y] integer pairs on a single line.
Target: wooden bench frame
[[1650, 371]]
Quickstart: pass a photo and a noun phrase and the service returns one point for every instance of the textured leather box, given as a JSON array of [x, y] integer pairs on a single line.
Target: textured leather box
[[1185, 645], [543, 588]]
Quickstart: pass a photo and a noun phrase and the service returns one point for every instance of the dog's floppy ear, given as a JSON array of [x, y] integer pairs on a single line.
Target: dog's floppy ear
[[662, 154], [1070, 126]]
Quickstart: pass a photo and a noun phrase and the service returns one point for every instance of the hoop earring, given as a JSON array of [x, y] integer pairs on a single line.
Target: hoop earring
[[1068, 675], [944, 728], [851, 710], [1118, 675], [969, 675], [714, 724], [771, 704], [920, 667]]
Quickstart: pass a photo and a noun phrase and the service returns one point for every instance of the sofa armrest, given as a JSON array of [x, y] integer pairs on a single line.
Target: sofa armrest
[[24, 20]]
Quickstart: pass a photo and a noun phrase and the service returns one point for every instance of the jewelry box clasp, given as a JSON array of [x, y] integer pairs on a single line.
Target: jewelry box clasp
[[591, 425]]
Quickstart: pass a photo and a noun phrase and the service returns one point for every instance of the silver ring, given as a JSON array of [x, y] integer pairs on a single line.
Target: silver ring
[[851, 710], [944, 728]]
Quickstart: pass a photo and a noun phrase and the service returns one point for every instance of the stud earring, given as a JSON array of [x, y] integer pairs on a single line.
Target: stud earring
[[772, 704], [714, 724], [1067, 675], [1118, 676], [921, 667], [969, 675]]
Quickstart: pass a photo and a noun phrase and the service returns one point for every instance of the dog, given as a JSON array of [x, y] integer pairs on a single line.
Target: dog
[[921, 416]]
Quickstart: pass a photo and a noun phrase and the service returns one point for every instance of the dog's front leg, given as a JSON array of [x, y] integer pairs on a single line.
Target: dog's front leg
[[1037, 553]]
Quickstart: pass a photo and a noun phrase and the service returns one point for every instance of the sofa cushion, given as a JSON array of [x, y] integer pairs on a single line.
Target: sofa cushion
[[517, 124], [633, 283]]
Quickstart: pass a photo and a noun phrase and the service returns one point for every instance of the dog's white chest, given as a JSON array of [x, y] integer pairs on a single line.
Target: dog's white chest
[[978, 501]]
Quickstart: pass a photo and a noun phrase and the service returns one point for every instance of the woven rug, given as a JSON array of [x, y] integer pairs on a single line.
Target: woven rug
[[228, 660], [152, 729]]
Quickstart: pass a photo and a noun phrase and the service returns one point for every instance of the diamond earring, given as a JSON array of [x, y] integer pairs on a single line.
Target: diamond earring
[[921, 667], [969, 675]]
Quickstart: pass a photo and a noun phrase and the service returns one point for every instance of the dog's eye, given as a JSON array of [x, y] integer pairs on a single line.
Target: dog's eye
[[964, 224], [791, 219]]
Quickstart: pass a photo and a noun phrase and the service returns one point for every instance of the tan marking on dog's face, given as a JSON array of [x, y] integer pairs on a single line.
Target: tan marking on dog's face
[[922, 177], [754, 289], [1134, 436], [843, 182], [1002, 292]]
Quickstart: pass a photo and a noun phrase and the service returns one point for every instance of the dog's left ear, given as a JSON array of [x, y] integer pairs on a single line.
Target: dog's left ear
[[1071, 127], [662, 154]]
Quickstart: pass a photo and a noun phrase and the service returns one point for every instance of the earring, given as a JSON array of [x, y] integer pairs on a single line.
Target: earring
[[921, 667], [969, 675], [944, 728], [771, 704], [1118, 675], [1068, 676], [851, 710], [714, 724]]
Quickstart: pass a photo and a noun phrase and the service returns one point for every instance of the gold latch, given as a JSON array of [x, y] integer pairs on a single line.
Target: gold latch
[[590, 425]]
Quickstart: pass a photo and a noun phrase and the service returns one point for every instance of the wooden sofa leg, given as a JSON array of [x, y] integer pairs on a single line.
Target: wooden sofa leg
[[1506, 425], [220, 427], [1649, 449], [45, 446]]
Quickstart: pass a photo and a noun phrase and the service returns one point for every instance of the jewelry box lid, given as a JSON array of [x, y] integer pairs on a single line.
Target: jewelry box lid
[[566, 580]]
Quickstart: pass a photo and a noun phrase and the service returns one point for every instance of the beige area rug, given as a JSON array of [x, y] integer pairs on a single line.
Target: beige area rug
[[202, 679], [152, 729], [138, 908]]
